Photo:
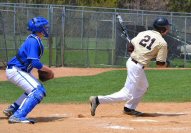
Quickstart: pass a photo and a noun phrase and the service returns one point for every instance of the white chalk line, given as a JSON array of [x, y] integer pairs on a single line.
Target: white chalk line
[[58, 115], [170, 113], [120, 127], [144, 120], [148, 128]]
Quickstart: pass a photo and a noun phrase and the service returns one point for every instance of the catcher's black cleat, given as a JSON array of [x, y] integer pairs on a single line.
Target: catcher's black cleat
[[94, 103], [132, 112], [10, 110]]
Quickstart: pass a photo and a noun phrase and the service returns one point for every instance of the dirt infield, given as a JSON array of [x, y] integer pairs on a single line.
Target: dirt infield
[[76, 118]]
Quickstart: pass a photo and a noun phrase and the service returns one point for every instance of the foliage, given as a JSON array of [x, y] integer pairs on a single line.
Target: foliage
[[98, 3], [168, 5], [101, 3], [180, 5]]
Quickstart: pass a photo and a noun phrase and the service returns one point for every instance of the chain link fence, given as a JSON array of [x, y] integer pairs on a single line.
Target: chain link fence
[[87, 36], [6, 36]]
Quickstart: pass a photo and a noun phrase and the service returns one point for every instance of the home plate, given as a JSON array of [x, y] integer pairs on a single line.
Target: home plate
[[120, 127], [144, 120], [58, 115]]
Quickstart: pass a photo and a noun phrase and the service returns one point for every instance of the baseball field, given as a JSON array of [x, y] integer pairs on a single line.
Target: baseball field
[[66, 107]]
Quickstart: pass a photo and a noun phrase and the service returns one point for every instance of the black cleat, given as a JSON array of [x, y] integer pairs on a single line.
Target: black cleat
[[9, 111], [132, 112]]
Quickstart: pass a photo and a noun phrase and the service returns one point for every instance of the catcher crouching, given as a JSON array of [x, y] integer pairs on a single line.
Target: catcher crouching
[[19, 69]]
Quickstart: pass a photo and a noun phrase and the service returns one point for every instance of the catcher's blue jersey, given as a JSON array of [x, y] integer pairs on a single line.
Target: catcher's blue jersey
[[32, 48]]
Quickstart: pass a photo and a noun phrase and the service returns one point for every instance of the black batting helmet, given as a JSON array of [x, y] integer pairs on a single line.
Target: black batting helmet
[[160, 24]]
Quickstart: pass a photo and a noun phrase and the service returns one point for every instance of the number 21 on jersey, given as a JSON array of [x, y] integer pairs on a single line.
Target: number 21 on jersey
[[147, 42]]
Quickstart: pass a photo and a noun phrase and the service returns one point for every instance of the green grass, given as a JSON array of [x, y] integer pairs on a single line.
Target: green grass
[[165, 86], [169, 85]]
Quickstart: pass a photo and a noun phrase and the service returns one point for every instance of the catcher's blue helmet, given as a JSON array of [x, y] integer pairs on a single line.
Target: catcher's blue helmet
[[160, 24], [38, 24]]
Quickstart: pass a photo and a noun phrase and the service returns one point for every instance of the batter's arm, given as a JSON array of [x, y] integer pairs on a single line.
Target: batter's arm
[[130, 48], [161, 57], [161, 64]]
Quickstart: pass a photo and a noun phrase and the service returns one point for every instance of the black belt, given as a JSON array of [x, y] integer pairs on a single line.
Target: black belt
[[136, 62], [9, 67]]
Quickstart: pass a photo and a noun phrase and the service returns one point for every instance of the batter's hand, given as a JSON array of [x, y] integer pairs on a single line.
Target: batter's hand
[[130, 48]]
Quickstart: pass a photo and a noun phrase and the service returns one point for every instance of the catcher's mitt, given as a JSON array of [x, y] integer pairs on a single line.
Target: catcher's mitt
[[44, 75]]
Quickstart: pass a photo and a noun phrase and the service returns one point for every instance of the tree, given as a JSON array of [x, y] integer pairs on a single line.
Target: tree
[[163, 5], [179, 5]]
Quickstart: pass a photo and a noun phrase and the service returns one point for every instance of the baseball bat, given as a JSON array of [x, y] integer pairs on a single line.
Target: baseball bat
[[123, 27]]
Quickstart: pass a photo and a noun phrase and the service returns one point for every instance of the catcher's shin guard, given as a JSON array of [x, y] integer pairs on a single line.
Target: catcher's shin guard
[[30, 102]]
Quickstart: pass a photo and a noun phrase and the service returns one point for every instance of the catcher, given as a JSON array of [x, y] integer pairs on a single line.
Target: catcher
[[19, 68]]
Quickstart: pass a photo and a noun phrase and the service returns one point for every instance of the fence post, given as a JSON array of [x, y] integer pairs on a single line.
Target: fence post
[[50, 41], [14, 30], [113, 38], [63, 35], [185, 39]]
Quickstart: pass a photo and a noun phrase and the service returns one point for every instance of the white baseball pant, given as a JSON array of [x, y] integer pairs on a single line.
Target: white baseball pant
[[135, 86], [25, 81]]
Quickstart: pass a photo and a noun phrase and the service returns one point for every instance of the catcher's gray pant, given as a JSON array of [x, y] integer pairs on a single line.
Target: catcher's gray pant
[[135, 86], [24, 80]]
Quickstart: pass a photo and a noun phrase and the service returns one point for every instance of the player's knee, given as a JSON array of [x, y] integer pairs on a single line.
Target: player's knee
[[42, 89], [39, 93]]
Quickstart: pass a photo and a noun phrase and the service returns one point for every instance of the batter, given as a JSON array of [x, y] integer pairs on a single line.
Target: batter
[[144, 47]]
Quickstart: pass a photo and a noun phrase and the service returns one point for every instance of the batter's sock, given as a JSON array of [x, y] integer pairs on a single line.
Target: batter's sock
[[97, 101], [21, 98], [15, 106]]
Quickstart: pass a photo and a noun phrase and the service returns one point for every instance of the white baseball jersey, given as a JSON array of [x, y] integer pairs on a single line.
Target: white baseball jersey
[[148, 45]]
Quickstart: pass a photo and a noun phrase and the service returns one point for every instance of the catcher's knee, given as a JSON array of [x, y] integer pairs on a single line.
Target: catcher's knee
[[38, 93]]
